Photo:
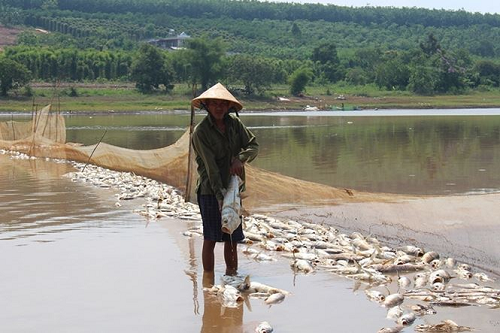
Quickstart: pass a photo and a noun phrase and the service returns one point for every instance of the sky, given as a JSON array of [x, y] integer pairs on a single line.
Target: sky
[[481, 6]]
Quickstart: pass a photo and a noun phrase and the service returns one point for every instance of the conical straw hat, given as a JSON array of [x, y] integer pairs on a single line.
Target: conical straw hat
[[217, 91]]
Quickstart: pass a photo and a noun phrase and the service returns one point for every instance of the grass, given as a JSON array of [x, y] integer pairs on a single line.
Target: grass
[[123, 98]]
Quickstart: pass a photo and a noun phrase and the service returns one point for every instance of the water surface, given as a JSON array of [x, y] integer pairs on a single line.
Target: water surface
[[73, 261], [403, 151]]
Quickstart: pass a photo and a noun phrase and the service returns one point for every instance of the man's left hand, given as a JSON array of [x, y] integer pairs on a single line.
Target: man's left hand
[[236, 167]]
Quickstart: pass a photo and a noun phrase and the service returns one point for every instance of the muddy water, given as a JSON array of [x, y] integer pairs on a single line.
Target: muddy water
[[437, 152], [73, 261]]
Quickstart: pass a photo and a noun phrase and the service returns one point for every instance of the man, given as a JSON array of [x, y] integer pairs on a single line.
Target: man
[[222, 145]]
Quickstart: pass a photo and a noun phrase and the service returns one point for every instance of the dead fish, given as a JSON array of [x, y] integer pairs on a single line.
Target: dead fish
[[275, 299], [375, 295], [421, 310], [394, 313], [361, 244], [302, 255], [482, 277], [253, 236], [430, 256], [406, 319], [451, 303], [250, 251], [412, 250], [465, 267], [440, 275], [420, 281], [403, 258], [391, 268], [189, 233], [395, 329], [302, 266], [435, 264], [393, 300], [438, 286], [230, 297], [450, 262], [257, 287], [444, 326], [463, 274], [404, 281], [263, 257], [259, 295], [264, 327], [466, 285]]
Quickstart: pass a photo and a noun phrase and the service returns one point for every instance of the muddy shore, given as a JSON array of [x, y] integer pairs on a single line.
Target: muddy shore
[[465, 227]]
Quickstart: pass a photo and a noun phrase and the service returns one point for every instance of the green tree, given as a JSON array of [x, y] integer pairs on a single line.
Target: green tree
[[12, 75], [489, 72], [484, 48], [326, 62], [296, 32], [255, 73], [325, 53], [431, 45], [423, 79], [150, 70], [49, 4], [205, 60], [392, 74], [298, 81]]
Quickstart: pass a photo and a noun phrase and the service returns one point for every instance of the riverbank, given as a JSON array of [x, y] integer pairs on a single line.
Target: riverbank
[[123, 97]]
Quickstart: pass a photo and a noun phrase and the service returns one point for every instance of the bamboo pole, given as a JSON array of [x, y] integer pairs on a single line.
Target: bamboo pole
[[187, 194]]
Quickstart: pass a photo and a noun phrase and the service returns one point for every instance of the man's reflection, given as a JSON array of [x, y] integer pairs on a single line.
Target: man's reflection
[[216, 318]]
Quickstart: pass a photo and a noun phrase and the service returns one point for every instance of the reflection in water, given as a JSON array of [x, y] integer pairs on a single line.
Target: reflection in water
[[411, 154], [217, 318], [37, 202]]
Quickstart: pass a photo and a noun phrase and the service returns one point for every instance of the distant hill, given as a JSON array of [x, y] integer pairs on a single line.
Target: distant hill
[[281, 30]]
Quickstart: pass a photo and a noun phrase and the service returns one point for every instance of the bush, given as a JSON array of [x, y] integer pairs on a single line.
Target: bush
[[298, 81]]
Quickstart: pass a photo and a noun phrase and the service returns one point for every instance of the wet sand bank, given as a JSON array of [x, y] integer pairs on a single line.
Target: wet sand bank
[[464, 227]]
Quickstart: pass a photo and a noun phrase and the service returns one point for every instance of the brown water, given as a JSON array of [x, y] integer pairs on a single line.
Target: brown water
[[72, 261], [437, 152]]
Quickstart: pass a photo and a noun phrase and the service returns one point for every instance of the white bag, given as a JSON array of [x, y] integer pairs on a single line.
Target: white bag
[[231, 206]]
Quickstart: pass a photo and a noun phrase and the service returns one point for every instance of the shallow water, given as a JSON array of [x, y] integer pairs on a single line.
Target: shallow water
[[429, 152], [433, 152], [72, 261]]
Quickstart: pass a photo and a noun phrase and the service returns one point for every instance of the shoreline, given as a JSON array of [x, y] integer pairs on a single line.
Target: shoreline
[[284, 112], [458, 225], [122, 97]]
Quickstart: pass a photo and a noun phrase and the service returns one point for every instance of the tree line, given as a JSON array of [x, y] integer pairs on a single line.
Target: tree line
[[113, 25], [250, 9], [254, 45], [426, 69]]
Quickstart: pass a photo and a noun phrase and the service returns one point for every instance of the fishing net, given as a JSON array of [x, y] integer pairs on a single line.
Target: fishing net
[[45, 136]]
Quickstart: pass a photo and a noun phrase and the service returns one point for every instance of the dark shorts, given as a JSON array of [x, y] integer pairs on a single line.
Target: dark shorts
[[210, 214]]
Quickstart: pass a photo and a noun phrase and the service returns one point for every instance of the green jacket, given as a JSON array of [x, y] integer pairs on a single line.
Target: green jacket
[[215, 150]]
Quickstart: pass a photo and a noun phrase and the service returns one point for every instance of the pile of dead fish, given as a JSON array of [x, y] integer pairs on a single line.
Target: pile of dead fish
[[161, 200], [423, 280]]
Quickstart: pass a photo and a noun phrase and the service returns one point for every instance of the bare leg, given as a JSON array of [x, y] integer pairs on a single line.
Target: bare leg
[[208, 279], [207, 255], [231, 257]]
